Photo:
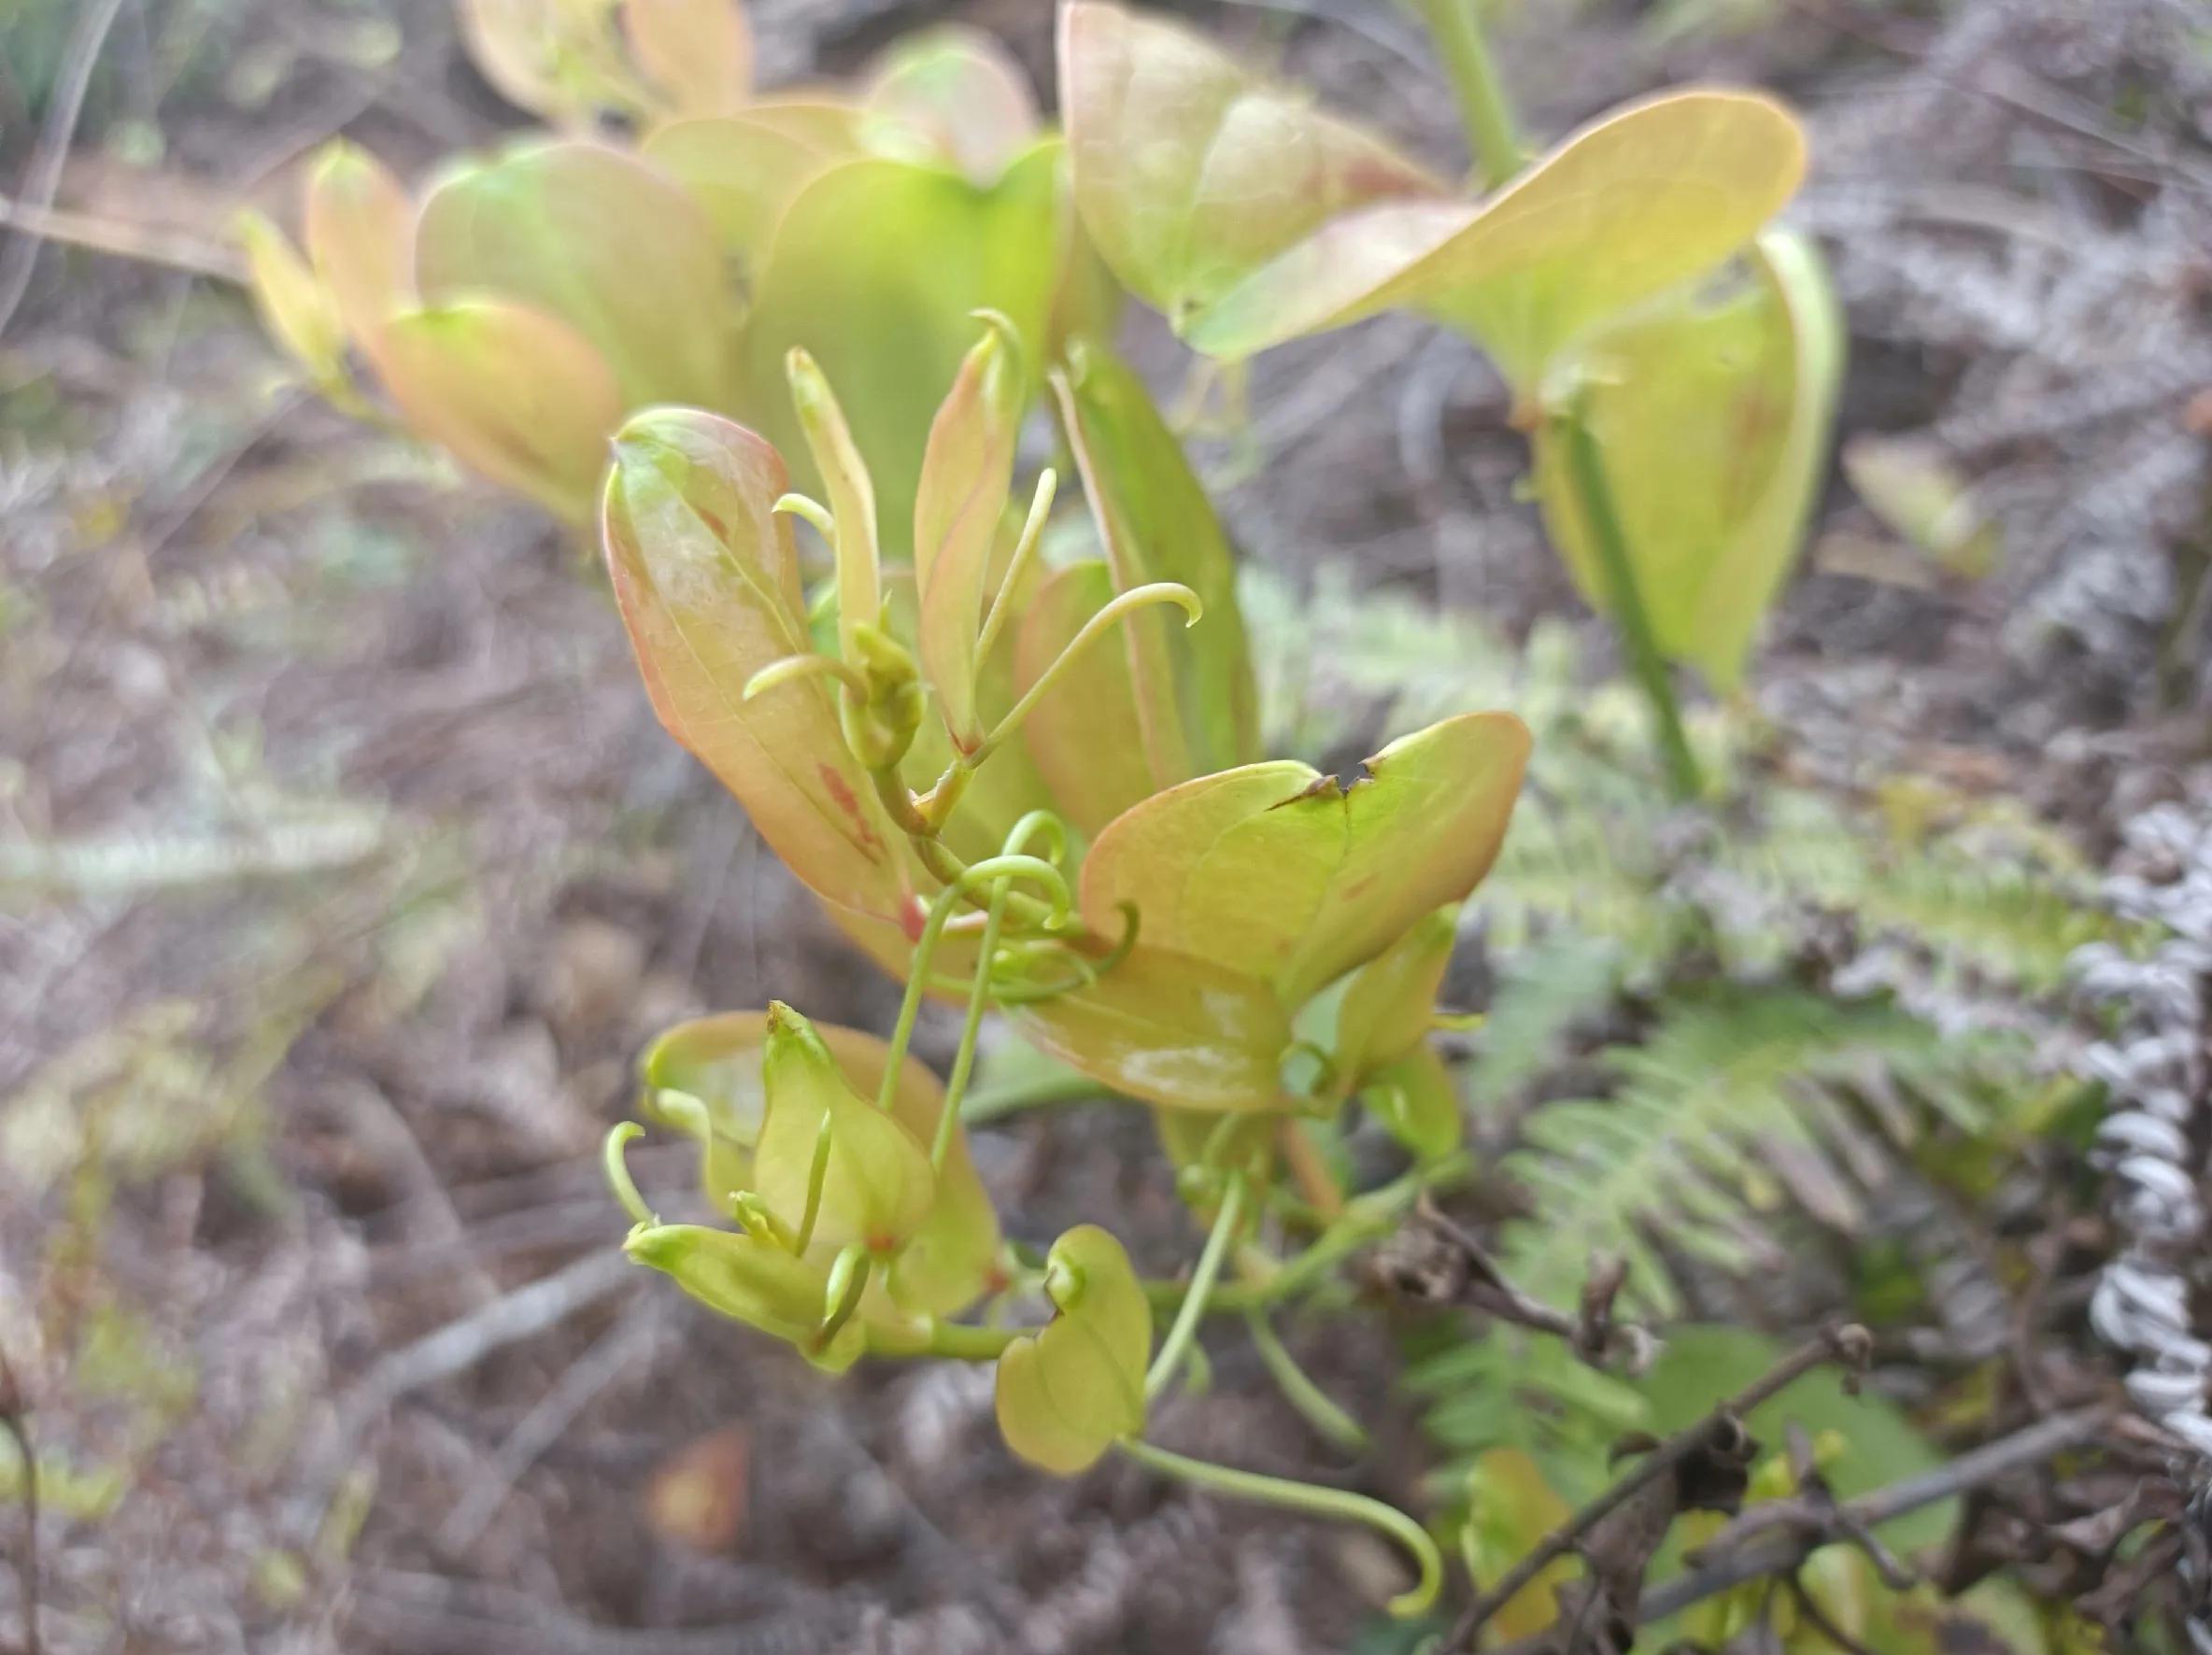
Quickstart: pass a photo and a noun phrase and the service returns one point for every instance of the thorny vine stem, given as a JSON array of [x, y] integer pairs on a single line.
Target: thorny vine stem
[[1849, 1344]]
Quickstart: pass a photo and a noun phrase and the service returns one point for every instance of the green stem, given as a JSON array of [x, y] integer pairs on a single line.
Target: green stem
[[617, 1167], [1012, 1099], [1185, 1326], [1585, 465], [1485, 109], [979, 994], [958, 1342], [1311, 1498], [1318, 1409]]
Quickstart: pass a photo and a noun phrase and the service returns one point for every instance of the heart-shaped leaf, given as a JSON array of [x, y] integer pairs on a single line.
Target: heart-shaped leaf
[[950, 95], [707, 581], [877, 1187], [512, 392], [1711, 415], [1172, 1029], [965, 474], [1275, 872], [1068, 1393], [1637, 202], [603, 242], [1158, 524], [750, 1280], [1191, 172], [697, 53], [915, 250]]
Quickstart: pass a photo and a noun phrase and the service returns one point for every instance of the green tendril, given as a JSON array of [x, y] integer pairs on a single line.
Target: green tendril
[[1048, 482], [811, 510], [1193, 1310], [791, 667], [818, 1174], [619, 1178], [979, 994], [1109, 615], [1314, 1405]]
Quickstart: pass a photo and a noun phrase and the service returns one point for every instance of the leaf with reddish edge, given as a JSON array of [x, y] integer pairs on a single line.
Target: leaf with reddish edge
[[1084, 733], [1277, 872], [966, 475], [745, 170], [698, 53], [511, 392], [707, 581], [950, 95], [360, 237], [1158, 524], [1172, 1030], [1191, 172]]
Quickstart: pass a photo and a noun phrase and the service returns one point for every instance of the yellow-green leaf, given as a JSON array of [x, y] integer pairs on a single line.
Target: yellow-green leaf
[[1711, 415], [1275, 872], [512, 392], [1190, 171], [360, 237], [1169, 1029], [852, 499], [559, 59], [952, 1258], [1915, 490], [298, 310], [1085, 733], [1413, 1097], [707, 581], [966, 475], [1068, 1393], [600, 239], [745, 169], [1635, 204], [1158, 524], [952, 95], [750, 1280], [697, 52], [1390, 1002], [877, 1187], [876, 268]]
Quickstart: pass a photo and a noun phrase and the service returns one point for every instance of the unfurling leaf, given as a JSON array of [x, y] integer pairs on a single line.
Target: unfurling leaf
[[512, 392], [952, 95], [749, 1279], [707, 579], [1278, 873], [877, 1187], [1068, 1393], [361, 238], [697, 52], [1712, 414], [852, 499], [947, 1263], [966, 475], [298, 310], [1192, 173]]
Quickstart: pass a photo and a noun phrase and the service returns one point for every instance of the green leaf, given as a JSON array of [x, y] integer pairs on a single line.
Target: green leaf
[[1413, 1097], [1713, 412], [950, 95], [875, 270], [1158, 524], [1085, 733], [965, 474], [1277, 872], [878, 1186], [1172, 1030], [745, 170], [1389, 1004], [511, 392], [698, 53], [707, 582], [1640, 202], [1070, 1392], [852, 499], [1191, 172], [605, 243], [297, 309], [750, 1280]]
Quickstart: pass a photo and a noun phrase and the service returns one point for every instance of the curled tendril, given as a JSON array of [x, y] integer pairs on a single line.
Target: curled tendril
[[1109, 615], [1015, 992], [811, 510], [618, 1166], [1038, 822], [793, 667]]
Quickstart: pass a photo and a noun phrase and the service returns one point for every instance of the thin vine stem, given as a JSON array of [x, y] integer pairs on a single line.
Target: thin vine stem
[[1485, 109], [1185, 1326], [1585, 465], [1317, 1407], [1312, 1499], [979, 994]]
